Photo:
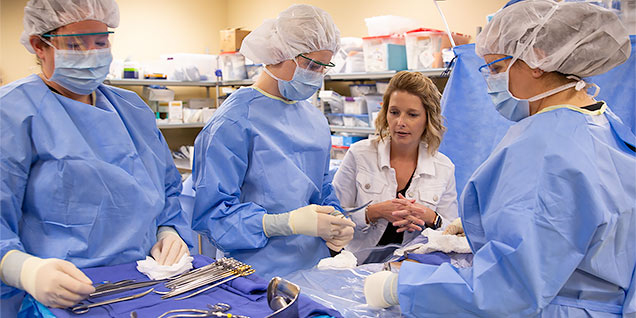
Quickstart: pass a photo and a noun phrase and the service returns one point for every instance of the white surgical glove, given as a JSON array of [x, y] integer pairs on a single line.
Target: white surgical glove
[[51, 281], [380, 289], [169, 247], [344, 235], [310, 220], [455, 228]]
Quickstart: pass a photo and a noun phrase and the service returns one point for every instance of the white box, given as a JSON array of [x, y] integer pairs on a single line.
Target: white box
[[175, 111], [355, 105]]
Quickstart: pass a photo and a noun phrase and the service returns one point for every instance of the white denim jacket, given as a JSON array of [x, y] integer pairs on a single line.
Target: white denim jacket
[[366, 174]]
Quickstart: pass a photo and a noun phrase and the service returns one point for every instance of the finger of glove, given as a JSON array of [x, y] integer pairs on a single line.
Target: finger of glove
[[334, 247], [175, 253], [334, 220], [325, 209], [66, 297], [155, 252], [169, 245], [74, 279]]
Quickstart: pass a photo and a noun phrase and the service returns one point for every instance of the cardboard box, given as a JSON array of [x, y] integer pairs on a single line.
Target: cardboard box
[[231, 39]]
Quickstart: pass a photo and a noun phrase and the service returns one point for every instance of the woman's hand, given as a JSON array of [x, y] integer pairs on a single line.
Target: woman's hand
[[412, 216], [383, 210]]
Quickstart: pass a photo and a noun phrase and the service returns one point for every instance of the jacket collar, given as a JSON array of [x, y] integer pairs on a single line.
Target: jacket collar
[[424, 160]]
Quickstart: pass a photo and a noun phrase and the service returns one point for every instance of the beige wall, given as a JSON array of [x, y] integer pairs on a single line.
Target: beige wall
[[149, 28], [462, 15]]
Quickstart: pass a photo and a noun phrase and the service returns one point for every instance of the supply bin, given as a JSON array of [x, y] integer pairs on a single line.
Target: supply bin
[[424, 48], [362, 89], [355, 120], [338, 152], [232, 66], [384, 53], [335, 119], [355, 105]]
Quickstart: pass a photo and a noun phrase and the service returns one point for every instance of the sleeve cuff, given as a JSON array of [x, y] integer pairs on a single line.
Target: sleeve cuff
[[11, 267], [162, 231]]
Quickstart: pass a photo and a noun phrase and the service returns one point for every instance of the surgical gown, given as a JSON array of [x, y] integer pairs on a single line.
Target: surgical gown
[[260, 154], [88, 184], [550, 217]]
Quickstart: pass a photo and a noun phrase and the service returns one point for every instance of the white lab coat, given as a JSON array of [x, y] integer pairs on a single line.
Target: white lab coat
[[366, 174]]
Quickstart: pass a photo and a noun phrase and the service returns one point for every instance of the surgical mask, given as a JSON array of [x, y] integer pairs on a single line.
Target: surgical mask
[[81, 72], [516, 109], [303, 84]]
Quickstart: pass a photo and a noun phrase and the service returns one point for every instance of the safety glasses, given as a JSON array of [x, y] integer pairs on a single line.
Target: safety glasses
[[313, 65], [494, 67], [80, 41]]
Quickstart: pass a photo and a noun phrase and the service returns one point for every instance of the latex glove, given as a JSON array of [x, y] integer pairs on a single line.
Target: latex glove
[[310, 220], [380, 289], [169, 247], [455, 228], [341, 239], [52, 281]]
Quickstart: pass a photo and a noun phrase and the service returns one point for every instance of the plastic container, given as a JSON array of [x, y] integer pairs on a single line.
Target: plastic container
[[335, 119], [388, 24], [355, 105], [253, 70], [354, 63], [345, 140], [424, 49], [338, 152], [232, 66], [374, 104], [355, 120], [205, 64], [381, 87], [384, 53], [362, 89]]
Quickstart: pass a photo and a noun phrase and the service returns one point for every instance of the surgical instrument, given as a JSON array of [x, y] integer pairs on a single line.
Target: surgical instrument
[[82, 309], [282, 297], [222, 270], [218, 310], [346, 213], [122, 286]]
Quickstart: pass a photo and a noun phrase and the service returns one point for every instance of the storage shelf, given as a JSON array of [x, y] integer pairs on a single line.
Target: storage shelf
[[177, 126], [434, 72], [353, 130], [136, 82]]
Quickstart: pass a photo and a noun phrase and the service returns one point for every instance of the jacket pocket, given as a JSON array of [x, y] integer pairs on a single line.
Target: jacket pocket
[[370, 185]]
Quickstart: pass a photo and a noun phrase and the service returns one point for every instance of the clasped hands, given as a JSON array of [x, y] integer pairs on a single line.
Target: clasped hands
[[403, 213]]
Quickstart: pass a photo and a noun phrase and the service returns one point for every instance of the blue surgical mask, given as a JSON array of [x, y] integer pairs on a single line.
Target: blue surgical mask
[[513, 108], [81, 71], [303, 84]]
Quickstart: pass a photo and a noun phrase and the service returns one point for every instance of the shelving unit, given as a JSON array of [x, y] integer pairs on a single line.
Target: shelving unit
[[179, 134]]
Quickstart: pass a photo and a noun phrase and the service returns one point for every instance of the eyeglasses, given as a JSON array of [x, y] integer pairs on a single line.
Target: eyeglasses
[[491, 68], [80, 41], [313, 65]]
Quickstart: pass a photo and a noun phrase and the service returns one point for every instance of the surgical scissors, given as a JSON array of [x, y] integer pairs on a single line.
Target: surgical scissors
[[122, 286], [82, 309], [218, 310], [346, 213]]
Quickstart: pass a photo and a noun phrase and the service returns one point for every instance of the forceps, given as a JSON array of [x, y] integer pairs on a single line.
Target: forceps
[[218, 310], [121, 286], [82, 309], [346, 213]]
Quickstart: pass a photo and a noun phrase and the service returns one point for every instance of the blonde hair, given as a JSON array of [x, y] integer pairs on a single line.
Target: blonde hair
[[421, 86]]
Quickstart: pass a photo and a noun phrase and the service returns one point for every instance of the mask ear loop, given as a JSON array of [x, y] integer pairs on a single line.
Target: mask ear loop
[[581, 84]]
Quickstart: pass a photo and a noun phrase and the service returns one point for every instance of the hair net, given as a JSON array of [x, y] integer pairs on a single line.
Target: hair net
[[41, 16], [299, 29], [573, 38]]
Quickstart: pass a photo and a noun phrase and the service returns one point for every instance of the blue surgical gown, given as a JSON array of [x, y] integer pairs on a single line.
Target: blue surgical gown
[[260, 154], [550, 217], [88, 184]]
